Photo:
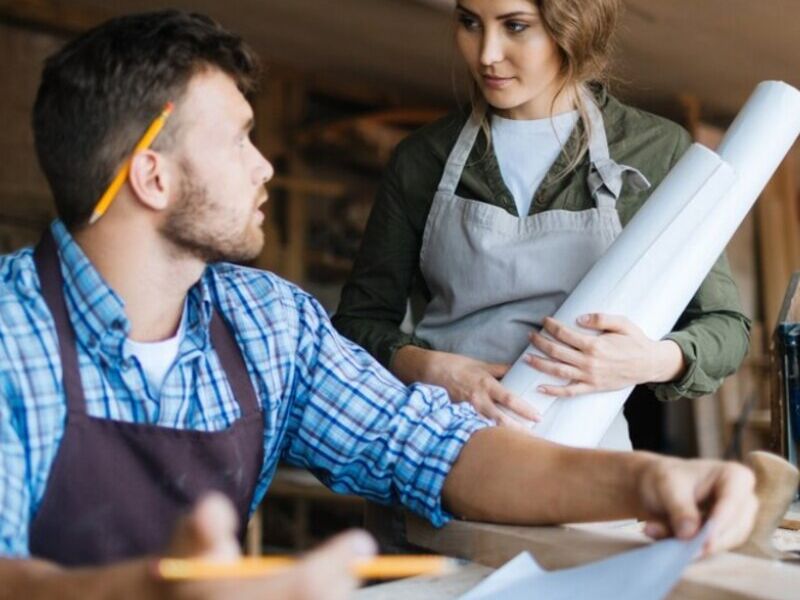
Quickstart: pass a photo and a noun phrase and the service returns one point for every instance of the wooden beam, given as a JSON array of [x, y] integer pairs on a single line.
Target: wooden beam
[[779, 238], [58, 16], [305, 185]]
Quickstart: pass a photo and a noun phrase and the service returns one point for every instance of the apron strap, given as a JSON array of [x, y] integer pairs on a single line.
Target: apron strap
[[605, 175], [45, 257], [230, 355], [461, 150]]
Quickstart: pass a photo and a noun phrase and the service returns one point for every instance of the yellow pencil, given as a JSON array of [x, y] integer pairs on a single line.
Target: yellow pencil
[[379, 567], [111, 191]]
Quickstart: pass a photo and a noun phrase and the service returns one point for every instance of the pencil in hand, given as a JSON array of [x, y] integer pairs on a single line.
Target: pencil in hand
[[379, 567]]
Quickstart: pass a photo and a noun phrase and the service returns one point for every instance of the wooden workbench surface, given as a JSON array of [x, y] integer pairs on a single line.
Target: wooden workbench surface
[[725, 576]]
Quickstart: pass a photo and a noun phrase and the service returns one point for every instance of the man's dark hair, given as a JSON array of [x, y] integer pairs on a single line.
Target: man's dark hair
[[100, 92]]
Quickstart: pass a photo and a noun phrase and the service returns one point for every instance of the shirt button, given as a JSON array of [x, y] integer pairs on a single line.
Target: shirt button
[[117, 325]]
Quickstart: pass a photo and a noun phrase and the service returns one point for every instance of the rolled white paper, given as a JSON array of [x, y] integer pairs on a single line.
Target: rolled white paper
[[654, 268]]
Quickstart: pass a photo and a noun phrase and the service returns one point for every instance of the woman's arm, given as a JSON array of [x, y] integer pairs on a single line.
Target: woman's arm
[[709, 341], [375, 297], [713, 334]]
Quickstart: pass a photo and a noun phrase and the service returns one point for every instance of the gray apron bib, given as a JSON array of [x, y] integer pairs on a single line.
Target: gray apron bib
[[494, 277]]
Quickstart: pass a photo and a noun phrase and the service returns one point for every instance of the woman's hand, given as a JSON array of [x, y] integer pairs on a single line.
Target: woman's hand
[[621, 356], [466, 380]]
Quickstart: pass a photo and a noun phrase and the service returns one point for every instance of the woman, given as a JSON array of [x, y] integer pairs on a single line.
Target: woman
[[495, 217]]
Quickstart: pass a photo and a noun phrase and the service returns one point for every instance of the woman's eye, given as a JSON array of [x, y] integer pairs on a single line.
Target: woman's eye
[[468, 23], [516, 26]]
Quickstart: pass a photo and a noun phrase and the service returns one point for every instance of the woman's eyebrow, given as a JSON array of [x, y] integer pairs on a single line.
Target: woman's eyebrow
[[518, 13]]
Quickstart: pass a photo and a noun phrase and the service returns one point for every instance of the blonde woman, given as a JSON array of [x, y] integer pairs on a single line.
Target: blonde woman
[[495, 216]]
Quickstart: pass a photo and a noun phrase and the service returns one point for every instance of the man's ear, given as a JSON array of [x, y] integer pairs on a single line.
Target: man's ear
[[150, 179]]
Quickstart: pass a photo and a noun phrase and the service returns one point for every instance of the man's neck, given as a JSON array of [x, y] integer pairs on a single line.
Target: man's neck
[[147, 273]]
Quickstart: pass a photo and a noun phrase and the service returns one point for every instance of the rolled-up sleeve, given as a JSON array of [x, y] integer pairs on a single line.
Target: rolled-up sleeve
[[361, 431], [713, 335]]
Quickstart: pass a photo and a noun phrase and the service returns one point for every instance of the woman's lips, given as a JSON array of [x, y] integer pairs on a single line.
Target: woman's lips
[[496, 83]]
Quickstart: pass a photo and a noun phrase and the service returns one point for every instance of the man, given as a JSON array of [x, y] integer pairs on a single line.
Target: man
[[140, 371]]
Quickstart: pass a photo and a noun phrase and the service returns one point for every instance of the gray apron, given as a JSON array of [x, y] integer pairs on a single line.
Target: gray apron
[[493, 277]]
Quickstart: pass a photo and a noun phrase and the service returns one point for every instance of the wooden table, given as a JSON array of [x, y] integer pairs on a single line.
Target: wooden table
[[725, 576]]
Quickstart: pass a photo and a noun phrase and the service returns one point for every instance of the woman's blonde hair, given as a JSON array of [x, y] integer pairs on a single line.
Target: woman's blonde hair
[[582, 31]]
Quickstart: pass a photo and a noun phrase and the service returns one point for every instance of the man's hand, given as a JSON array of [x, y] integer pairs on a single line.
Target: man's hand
[[495, 480], [679, 495], [209, 532], [619, 357], [466, 380]]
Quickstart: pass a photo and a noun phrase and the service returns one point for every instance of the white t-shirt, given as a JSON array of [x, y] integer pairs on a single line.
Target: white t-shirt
[[157, 357], [526, 149]]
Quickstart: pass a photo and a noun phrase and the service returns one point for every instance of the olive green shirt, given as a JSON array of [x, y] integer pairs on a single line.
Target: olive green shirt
[[712, 333]]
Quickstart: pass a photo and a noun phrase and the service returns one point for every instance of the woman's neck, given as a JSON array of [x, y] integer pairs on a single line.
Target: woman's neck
[[546, 105]]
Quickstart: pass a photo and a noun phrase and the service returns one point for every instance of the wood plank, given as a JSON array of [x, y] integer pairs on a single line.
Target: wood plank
[[779, 233], [792, 518], [424, 588], [310, 186], [724, 576]]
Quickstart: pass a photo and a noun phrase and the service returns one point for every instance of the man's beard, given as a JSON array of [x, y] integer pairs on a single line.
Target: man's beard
[[199, 226]]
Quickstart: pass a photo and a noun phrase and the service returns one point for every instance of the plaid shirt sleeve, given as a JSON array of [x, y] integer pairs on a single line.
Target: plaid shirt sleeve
[[361, 431], [14, 493]]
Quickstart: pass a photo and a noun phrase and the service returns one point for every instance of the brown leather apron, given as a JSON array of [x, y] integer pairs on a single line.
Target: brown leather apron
[[116, 489]]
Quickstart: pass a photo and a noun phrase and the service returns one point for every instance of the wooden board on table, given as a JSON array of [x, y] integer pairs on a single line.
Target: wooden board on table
[[791, 519], [721, 577], [444, 587]]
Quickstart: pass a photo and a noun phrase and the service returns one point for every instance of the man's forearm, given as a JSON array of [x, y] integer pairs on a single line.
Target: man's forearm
[[506, 476], [36, 579]]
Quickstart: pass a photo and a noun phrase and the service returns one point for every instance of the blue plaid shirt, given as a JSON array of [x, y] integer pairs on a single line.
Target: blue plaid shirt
[[327, 405]]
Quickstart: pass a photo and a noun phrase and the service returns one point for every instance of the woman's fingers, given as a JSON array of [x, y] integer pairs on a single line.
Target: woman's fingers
[[554, 368], [502, 397], [568, 335], [566, 391], [556, 350], [603, 322], [487, 398], [497, 370]]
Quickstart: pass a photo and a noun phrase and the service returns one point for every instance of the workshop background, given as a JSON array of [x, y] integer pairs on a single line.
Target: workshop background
[[348, 79]]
